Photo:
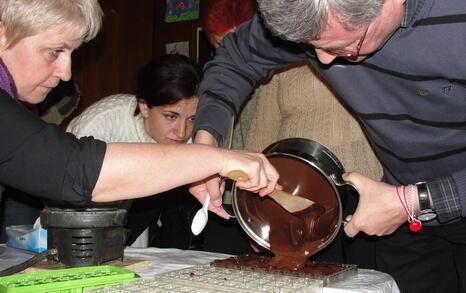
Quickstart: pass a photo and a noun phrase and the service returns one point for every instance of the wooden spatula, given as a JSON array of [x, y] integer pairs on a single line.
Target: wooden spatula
[[291, 203]]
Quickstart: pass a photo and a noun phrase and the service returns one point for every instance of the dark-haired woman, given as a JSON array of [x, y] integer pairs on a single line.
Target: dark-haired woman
[[162, 111]]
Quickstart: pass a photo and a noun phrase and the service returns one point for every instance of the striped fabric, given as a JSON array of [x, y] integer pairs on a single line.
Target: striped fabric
[[411, 99], [410, 95]]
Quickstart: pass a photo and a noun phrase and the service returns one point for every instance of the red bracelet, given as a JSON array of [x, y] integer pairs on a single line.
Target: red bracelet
[[407, 203]]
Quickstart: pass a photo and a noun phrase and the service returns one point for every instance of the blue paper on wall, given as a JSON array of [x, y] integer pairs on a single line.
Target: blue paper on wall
[[181, 10], [27, 238]]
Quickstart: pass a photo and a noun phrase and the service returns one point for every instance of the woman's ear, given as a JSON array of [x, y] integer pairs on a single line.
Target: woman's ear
[[3, 37], [143, 108]]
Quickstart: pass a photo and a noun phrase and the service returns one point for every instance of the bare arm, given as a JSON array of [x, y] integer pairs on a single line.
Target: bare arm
[[137, 170]]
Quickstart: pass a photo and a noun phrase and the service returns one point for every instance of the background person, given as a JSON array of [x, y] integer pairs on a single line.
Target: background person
[[37, 39], [373, 54], [221, 17], [163, 110]]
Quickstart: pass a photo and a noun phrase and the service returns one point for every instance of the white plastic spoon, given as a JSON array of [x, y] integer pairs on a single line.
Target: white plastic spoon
[[201, 217]]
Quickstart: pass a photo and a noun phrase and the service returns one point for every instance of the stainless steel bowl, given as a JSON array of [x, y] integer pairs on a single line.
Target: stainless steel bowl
[[306, 168]]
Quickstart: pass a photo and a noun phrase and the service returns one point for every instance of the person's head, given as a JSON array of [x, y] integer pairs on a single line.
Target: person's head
[[351, 29], [223, 16], [166, 90], [37, 38]]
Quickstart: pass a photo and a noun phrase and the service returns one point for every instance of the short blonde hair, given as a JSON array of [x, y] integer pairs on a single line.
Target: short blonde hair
[[23, 18]]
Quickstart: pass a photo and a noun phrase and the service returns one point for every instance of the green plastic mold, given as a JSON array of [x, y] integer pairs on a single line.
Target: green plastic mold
[[74, 280]]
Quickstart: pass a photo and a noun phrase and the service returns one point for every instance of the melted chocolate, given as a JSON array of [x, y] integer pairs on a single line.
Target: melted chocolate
[[294, 237], [264, 262]]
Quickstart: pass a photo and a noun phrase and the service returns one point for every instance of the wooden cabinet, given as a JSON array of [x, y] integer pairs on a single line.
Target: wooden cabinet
[[107, 64]]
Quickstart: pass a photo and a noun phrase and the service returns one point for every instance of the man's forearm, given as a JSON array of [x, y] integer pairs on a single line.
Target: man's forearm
[[204, 137]]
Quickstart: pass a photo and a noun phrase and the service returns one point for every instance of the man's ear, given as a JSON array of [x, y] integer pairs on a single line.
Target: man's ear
[[143, 108]]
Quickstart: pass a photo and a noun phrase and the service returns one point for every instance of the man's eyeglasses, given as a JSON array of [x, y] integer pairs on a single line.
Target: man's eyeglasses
[[347, 53]]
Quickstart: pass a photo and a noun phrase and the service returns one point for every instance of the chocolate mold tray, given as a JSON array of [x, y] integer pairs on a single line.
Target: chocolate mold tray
[[73, 280], [209, 279], [328, 273]]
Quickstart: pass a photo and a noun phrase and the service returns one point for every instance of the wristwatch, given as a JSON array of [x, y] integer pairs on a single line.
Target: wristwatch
[[426, 212]]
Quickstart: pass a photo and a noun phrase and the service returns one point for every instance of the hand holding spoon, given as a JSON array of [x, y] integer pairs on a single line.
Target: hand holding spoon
[[201, 217], [291, 203]]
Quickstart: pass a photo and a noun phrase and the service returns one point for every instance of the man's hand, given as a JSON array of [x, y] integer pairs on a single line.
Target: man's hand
[[200, 190], [262, 176], [209, 185], [379, 211]]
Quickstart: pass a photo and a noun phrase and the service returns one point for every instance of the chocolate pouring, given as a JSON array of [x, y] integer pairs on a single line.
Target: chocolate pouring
[[293, 238], [291, 203]]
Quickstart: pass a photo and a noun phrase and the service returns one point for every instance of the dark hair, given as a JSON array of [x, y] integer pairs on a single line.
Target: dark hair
[[167, 79], [223, 15]]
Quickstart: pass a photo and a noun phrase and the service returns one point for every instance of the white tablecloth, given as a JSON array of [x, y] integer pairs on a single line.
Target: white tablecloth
[[169, 259]]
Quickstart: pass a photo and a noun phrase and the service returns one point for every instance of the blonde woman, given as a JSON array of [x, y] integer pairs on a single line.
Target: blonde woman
[[37, 38]]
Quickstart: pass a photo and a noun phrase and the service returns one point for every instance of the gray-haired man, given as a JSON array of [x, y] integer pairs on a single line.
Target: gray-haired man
[[399, 64]]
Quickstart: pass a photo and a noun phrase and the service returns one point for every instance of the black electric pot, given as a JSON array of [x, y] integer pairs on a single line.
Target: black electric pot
[[87, 234]]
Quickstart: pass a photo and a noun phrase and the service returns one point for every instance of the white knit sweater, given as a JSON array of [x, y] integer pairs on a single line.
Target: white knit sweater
[[112, 120]]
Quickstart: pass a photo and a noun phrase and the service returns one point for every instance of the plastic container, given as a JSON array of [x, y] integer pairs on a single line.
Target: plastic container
[[74, 280], [27, 238]]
